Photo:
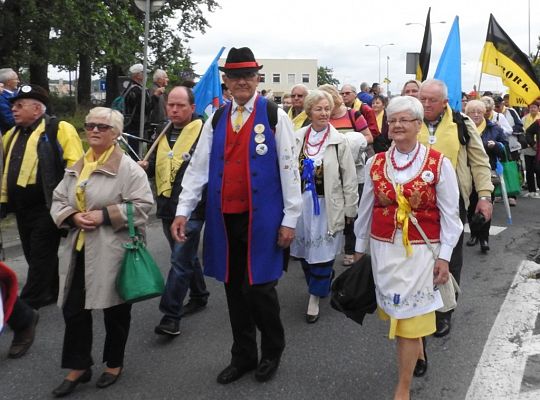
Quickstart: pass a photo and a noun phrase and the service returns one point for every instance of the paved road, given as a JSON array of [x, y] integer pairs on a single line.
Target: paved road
[[332, 359]]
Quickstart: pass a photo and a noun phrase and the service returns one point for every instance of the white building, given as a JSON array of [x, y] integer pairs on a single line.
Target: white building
[[279, 75]]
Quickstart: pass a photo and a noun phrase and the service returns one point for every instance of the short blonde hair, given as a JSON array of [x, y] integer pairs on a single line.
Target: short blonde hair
[[488, 102], [113, 117], [314, 97], [332, 91], [474, 105]]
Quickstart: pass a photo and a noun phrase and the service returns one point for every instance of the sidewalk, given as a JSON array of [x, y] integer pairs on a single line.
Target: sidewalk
[[10, 237]]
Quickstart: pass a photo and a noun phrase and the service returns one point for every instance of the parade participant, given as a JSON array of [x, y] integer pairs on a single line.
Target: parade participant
[[226, 93], [159, 98], [245, 157], [455, 135], [529, 153], [10, 80], [91, 202], [495, 142], [34, 164], [348, 95], [172, 157], [330, 195], [286, 102], [296, 112], [408, 181], [382, 142], [365, 96], [411, 88]]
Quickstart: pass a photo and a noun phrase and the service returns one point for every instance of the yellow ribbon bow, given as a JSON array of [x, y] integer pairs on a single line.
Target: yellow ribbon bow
[[403, 211]]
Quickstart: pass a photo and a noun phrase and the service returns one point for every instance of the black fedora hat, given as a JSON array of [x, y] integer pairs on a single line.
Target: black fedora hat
[[35, 92], [240, 60]]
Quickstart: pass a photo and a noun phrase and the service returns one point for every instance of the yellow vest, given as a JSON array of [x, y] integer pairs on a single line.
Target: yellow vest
[[297, 121], [446, 135], [169, 161]]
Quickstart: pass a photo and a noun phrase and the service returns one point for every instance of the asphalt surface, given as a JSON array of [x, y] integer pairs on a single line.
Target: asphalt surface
[[332, 359]]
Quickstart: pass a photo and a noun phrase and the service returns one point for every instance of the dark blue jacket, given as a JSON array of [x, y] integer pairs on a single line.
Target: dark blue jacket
[[6, 116], [494, 132]]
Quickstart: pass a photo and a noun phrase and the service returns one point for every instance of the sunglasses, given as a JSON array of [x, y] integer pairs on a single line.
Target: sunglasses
[[90, 126]]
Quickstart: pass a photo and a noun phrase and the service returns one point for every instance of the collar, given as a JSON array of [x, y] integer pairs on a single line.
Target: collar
[[29, 129], [110, 167], [436, 122], [249, 106]]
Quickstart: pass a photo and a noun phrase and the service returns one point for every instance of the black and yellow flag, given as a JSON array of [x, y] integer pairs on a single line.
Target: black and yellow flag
[[425, 53], [501, 57]]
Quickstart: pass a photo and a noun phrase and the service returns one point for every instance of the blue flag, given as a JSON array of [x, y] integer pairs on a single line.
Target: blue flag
[[449, 68], [207, 91]]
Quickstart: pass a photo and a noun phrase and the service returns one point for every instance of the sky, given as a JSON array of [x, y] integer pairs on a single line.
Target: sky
[[335, 32]]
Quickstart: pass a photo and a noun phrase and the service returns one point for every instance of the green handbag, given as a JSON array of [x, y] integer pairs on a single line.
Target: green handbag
[[512, 178], [139, 278]]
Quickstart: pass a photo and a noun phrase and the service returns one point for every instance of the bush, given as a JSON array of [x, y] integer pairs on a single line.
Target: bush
[[62, 106]]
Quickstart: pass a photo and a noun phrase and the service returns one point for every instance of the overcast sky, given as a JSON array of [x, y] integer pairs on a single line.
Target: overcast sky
[[335, 33]]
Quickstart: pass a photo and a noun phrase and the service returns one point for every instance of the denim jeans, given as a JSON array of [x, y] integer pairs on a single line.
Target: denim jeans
[[185, 273]]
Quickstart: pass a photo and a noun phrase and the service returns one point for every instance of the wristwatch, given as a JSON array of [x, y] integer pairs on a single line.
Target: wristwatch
[[487, 198]]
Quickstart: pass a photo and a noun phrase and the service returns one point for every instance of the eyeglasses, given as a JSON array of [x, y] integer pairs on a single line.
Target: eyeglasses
[[346, 93], [241, 75], [401, 121], [429, 100], [297, 95], [90, 126]]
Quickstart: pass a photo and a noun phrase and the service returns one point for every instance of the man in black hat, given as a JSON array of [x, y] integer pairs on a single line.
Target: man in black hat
[[245, 157], [37, 149]]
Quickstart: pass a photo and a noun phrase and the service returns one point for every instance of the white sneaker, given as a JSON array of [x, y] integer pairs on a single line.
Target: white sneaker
[[512, 202], [535, 195], [498, 199]]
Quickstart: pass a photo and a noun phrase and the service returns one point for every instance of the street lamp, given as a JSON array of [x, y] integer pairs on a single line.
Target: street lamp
[[380, 46]]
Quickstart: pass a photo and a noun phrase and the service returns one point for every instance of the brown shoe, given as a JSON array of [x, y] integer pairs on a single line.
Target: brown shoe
[[23, 339]]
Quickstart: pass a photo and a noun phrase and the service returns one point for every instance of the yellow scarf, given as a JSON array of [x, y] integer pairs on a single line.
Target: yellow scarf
[[169, 161], [446, 135], [357, 104], [29, 165], [297, 121], [528, 120], [402, 217], [90, 165], [380, 116], [482, 127]]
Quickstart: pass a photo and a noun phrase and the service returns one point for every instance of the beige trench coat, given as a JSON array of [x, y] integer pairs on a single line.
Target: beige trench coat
[[113, 184]]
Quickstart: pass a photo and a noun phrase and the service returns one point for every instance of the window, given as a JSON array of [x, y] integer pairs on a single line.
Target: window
[[291, 79], [305, 78], [262, 78], [276, 78]]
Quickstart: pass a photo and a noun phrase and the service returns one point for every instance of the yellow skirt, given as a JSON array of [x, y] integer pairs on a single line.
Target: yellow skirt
[[410, 328]]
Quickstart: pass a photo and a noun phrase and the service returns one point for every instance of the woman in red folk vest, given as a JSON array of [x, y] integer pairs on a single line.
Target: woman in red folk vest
[[329, 194], [410, 198]]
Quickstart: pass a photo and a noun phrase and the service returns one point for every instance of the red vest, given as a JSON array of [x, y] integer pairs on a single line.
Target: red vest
[[235, 198], [420, 192]]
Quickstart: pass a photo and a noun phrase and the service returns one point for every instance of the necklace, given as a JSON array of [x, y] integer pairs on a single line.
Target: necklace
[[406, 165], [317, 145]]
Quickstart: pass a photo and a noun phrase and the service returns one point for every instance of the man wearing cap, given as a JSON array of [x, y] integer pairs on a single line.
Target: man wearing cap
[[132, 98], [253, 202], [10, 80], [36, 151], [172, 156]]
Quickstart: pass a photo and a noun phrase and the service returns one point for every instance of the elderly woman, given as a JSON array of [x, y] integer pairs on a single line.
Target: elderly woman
[[350, 122], [407, 187], [91, 202], [330, 195], [495, 142]]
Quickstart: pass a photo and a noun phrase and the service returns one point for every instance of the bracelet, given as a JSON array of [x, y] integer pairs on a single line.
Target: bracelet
[[487, 198]]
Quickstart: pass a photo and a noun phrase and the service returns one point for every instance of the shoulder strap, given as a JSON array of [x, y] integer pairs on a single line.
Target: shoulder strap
[[217, 116], [131, 226], [272, 111], [463, 133]]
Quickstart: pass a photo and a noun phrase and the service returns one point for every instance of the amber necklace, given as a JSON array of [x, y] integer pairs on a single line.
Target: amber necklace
[[317, 145], [406, 165]]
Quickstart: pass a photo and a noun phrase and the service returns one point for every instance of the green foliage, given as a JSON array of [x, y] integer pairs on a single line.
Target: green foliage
[[63, 105], [324, 76]]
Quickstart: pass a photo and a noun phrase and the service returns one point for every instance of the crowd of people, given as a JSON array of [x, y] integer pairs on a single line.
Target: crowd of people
[[330, 171]]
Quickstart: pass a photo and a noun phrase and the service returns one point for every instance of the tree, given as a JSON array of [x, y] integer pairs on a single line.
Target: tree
[[324, 76]]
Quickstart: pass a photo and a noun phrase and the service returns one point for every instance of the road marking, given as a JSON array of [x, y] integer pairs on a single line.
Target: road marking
[[501, 368], [493, 229]]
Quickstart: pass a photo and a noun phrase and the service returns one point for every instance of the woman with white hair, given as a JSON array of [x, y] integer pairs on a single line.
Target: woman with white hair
[[91, 202], [410, 195]]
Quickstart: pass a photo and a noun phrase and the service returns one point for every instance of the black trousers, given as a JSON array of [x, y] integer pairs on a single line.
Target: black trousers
[[250, 306], [76, 353], [40, 239], [533, 179], [348, 232], [21, 316], [483, 232]]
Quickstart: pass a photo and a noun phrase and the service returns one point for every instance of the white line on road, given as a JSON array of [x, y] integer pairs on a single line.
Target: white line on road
[[500, 370], [493, 230]]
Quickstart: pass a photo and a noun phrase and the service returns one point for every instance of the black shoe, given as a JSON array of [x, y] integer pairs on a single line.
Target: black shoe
[[168, 327], [267, 369], [66, 387], [443, 326], [421, 365], [232, 373], [311, 319], [107, 379], [23, 339], [484, 246], [193, 306], [473, 241]]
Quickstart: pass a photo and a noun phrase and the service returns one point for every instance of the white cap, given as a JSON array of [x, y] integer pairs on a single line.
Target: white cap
[[136, 68]]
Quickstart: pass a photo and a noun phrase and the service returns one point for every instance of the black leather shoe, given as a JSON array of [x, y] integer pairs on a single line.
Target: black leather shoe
[[107, 379], [484, 246], [267, 369], [193, 306], [311, 319], [443, 327], [66, 387], [421, 365], [473, 241], [23, 339], [168, 327], [232, 373]]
